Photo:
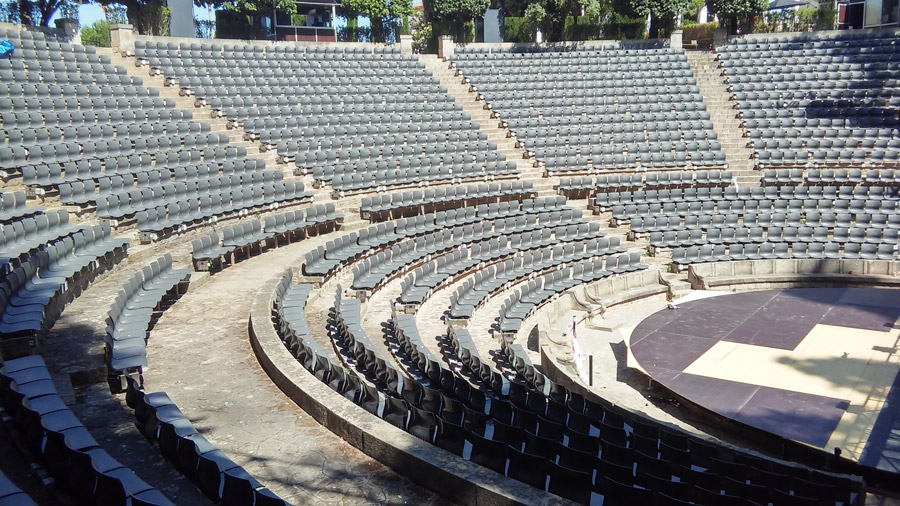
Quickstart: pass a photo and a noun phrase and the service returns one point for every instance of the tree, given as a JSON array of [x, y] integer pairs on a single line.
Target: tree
[[243, 18], [96, 34], [382, 14], [550, 15], [730, 11], [455, 13], [40, 12], [149, 17], [662, 13]]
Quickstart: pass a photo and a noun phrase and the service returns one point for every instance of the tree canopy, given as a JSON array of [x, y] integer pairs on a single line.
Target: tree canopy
[[550, 15], [732, 10], [455, 13], [382, 14], [39, 12], [662, 13]]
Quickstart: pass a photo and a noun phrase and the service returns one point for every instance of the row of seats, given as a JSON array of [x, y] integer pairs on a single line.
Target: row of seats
[[123, 173], [386, 206], [161, 221], [447, 423], [887, 237], [477, 289], [770, 251], [588, 185], [781, 89], [841, 197], [22, 238], [375, 270], [872, 177], [459, 225], [535, 98], [210, 254], [827, 221], [414, 102], [425, 279], [50, 431], [222, 480], [133, 313], [528, 298], [59, 127], [35, 292]]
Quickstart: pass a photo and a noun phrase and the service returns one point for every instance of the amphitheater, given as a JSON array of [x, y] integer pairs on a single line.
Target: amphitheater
[[614, 273]]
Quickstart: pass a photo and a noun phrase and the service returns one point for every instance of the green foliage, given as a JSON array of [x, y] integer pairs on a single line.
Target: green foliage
[[701, 32], [738, 8], [658, 8], [204, 28], [96, 34], [38, 12], [421, 31], [551, 15], [733, 11], [155, 19], [458, 9], [621, 27], [149, 17], [298, 19], [456, 13], [800, 20], [581, 28], [518, 29], [403, 28], [822, 18], [384, 15], [231, 24]]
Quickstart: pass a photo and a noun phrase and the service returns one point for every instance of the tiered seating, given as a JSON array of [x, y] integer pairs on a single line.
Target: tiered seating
[[478, 288], [133, 313], [356, 119], [818, 101], [50, 431], [381, 207], [587, 186], [81, 126], [529, 297], [24, 237], [534, 430], [591, 110], [223, 481], [424, 280], [209, 253], [436, 233], [13, 207], [859, 222], [41, 282], [832, 180]]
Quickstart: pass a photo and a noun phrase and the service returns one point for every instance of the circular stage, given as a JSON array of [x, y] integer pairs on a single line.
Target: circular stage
[[815, 365]]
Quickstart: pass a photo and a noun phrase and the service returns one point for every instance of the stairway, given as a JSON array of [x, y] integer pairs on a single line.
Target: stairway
[[236, 136], [717, 99], [491, 126]]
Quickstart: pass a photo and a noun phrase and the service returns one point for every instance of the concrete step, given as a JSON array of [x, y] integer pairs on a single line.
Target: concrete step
[[715, 95], [200, 114]]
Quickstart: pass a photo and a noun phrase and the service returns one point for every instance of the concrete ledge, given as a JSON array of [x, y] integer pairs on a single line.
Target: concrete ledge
[[747, 275], [441, 471]]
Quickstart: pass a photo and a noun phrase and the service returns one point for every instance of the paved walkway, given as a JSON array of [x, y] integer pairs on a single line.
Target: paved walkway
[[201, 356]]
